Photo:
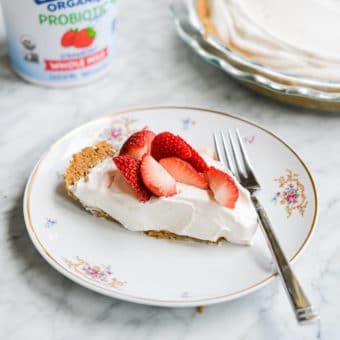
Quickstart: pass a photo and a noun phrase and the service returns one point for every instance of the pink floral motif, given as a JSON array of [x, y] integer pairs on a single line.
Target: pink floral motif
[[291, 193], [99, 274], [118, 133], [249, 139]]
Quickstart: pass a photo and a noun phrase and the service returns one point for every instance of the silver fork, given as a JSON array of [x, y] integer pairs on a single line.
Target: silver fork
[[238, 162]]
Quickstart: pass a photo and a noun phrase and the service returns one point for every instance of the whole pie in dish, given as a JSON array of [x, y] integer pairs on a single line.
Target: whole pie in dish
[[159, 184], [294, 36]]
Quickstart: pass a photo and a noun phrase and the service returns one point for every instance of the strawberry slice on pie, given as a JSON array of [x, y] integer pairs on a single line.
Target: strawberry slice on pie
[[156, 178], [223, 186], [138, 144], [130, 168], [167, 144], [183, 172]]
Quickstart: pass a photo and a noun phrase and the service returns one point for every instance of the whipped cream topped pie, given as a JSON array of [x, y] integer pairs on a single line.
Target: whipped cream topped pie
[[295, 36], [161, 185]]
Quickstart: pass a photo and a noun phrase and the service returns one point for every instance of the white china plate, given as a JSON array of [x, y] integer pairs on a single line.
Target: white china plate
[[104, 257]]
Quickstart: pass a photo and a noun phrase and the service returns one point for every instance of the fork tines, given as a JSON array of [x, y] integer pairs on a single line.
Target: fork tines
[[234, 156]]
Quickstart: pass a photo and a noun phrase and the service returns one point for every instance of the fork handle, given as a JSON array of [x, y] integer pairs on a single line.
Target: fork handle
[[301, 305]]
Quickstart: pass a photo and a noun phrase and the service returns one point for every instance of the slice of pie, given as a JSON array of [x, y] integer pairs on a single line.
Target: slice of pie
[[161, 185]]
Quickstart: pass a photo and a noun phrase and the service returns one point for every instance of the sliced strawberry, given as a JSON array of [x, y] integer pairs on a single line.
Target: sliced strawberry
[[130, 168], [138, 144], [223, 186], [208, 152], [167, 144], [156, 178], [197, 161], [183, 172]]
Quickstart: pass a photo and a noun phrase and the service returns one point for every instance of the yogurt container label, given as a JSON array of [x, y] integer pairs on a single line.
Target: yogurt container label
[[60, 42]]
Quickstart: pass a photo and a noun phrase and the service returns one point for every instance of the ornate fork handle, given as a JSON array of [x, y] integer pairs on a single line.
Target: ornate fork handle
[[302, 307]]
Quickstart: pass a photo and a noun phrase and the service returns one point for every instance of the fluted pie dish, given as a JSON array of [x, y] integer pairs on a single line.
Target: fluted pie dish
[[256, 47]]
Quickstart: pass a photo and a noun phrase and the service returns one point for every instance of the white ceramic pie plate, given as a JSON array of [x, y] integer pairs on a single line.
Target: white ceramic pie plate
[[104, 257]]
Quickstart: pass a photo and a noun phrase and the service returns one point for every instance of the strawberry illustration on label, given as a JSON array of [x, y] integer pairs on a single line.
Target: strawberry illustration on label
[[67, 40], [84, 38]]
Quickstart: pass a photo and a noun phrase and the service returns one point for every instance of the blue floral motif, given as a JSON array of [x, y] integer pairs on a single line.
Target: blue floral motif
[[50, 223], [276, 197], [187, 123]]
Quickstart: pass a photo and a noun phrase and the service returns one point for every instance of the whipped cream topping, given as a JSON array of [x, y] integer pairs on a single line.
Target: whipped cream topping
[[295, 36], [191, 212]]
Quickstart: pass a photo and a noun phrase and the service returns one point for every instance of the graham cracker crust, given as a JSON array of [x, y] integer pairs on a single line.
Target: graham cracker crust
[[83, 161], [79, 167], [163, 234], [203, 12]]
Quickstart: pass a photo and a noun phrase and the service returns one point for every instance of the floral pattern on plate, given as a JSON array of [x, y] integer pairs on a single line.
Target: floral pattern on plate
[[291, 193], [50, 222], [249, 139], [120, 130], [187, 123], [97, 273]]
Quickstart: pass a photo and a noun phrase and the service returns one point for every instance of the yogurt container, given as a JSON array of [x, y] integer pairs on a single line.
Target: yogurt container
[[60, 43]]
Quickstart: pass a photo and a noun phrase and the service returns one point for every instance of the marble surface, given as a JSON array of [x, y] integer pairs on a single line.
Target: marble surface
[[153, 67]]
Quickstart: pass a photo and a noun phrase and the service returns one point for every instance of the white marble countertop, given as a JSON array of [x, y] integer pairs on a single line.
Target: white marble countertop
[[153, 67]]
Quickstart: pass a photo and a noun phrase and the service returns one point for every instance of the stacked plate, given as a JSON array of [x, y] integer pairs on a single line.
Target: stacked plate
[[295, 89]]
